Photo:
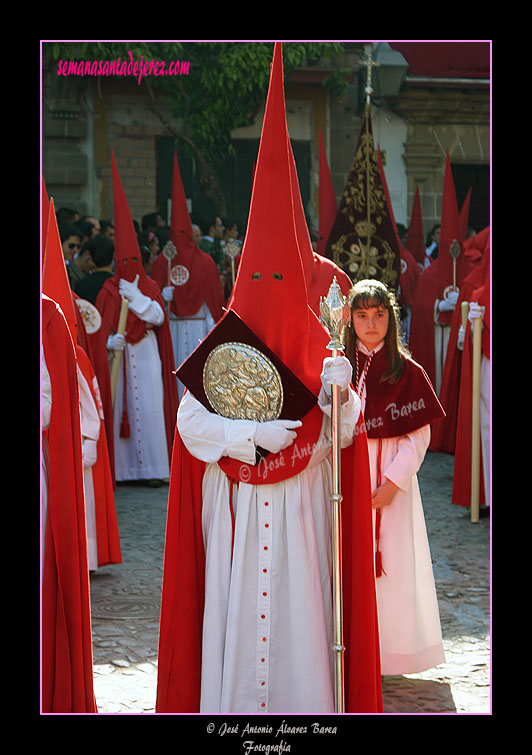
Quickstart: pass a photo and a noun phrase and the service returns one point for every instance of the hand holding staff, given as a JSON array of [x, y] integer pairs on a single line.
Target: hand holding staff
[[118, 354], [334, 314]]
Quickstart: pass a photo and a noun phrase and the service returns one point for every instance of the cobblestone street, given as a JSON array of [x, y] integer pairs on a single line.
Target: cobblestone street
[[126, 601]]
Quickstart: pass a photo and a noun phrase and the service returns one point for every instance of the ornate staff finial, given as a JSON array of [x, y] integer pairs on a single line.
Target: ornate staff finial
[[370, 64], [454, 251], [334, 315]]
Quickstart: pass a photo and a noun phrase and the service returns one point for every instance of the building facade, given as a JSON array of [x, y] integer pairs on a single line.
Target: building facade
[[441, 101]]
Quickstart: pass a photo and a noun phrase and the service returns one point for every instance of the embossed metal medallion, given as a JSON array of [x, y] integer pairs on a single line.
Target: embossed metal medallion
[[90, 315], [179, 275], [240, 382]]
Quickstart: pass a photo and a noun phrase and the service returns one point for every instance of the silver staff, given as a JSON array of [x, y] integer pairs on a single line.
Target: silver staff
[[334, 315]]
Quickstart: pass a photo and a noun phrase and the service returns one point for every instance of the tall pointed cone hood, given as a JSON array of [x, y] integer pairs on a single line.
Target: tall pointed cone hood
[[55, 283], [180, 223], [327, 201], [192, 271], [415, 240], [449, 232], [270, 293], [128, 260]]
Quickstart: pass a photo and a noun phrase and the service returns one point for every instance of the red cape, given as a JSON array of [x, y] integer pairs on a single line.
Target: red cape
[[183, 596], [203, 285], [94, 344], [444, 433], [67, 681], [410, 275], [395, 409], [108, 303], [421, 341], [462, 463]]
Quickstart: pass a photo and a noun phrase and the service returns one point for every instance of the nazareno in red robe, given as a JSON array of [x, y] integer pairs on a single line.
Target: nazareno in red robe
[[181, 625], [66, 653], [109, 303], [462, 465], [443, 437], [270, 274]]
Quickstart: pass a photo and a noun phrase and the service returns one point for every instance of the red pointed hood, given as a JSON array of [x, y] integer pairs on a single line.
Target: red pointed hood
[[202, 282], [128, 260], [327, 201], [55, 283], [270, 293], [192, 271], [180, 223], [449, 232], [415, 240]]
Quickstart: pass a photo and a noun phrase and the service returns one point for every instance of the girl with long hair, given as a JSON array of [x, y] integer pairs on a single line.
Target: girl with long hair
[[398, 403]]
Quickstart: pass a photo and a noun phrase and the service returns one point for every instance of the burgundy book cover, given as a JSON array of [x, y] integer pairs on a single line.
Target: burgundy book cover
[[298, 399]]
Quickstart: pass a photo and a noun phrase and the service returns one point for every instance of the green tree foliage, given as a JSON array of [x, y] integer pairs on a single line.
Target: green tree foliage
[[223, 87]]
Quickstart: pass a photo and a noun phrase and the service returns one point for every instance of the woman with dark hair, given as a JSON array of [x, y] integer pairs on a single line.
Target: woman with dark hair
[[398, 403]]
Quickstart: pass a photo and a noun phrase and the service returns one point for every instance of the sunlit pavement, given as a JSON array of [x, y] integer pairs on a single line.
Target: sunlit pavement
[[126, 603]]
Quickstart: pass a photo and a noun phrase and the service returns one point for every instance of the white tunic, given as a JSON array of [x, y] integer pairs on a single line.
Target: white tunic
[[267, 629], [144, 455], [187, 333], [407, 605], [90, 430]]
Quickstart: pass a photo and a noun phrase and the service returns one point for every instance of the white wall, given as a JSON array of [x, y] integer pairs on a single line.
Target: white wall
[[390, 134]]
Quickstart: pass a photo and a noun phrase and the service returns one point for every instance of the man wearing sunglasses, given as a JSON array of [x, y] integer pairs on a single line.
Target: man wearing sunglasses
[[70, 241]]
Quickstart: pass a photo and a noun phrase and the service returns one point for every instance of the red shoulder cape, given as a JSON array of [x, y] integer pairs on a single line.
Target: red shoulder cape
[[67, 681], [203, 283], [429, 288], [462, 463], [94, 344], [462, 460], [394, 409], [183, 595]]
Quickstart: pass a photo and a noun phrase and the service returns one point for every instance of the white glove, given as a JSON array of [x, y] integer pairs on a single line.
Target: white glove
[[336, 371], [116, 342], [168, 293], [475, 311], [276, 434], [138, 302], [461, 338], [449, 304], [129, 290], [89, 452]]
